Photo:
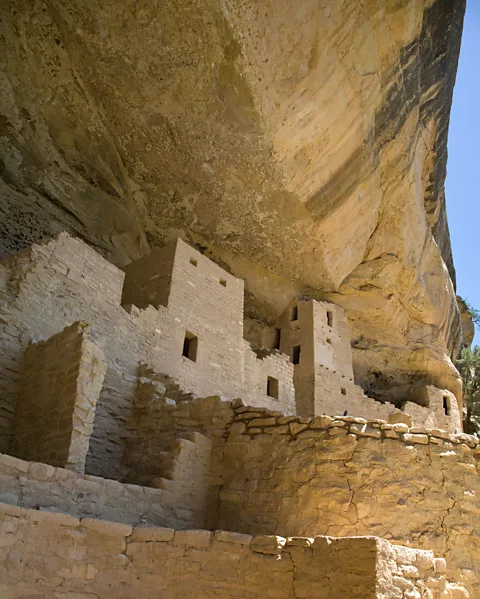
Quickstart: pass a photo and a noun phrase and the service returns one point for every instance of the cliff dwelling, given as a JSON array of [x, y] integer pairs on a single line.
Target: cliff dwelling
[[228, 320]]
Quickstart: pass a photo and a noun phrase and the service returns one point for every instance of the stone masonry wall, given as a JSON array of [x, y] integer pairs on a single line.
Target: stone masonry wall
[[148, 280], [294, 476], [259, 366], [55, 555], [43, 487], [206, 303], [62, 379], [442, 409], [157, 423], [49, 287]]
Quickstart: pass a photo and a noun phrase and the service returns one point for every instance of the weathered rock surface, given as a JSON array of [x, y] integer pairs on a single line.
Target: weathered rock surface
[[302, 144], [468, 327]]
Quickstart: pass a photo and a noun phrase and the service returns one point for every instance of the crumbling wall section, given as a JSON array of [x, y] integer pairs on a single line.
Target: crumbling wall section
[[158, 422], [269, 380], [417, 486], [125, 562], [148, 279], [43, 487], [62, 379], [46, 289], [441, 409]]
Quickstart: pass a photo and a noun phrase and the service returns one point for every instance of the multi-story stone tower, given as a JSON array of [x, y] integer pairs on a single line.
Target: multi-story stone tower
[[315, 335]]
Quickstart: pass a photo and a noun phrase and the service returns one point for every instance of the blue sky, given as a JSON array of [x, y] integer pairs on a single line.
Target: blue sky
[[463, 167]]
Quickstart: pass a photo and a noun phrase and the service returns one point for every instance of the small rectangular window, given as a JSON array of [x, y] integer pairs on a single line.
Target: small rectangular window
[[190, 346], [343, 391], [294, 314], [330, 318], [193, 261], [446, 405], [272, 387], [296, 354], [329, 340], [223, 282]]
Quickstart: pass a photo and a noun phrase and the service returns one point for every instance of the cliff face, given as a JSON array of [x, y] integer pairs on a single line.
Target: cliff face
[[301, 144]]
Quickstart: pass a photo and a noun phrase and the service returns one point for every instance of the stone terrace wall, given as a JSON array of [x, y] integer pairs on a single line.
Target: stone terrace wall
[[52, 555], [62, 379], [291, 476], [39, 486]]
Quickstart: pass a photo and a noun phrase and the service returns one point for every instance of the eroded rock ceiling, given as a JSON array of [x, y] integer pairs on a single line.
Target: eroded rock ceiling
[[301, 144]]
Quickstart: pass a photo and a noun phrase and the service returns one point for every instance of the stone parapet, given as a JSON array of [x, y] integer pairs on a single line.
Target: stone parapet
[[43, 487], [124, 562], [347, 476], [260, 421]]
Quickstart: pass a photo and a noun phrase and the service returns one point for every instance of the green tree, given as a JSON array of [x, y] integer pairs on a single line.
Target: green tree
[[475, 314], [469, 367]]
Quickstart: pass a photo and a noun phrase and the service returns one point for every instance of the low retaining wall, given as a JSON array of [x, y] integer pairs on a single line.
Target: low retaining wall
[[40, 486], [43, 554], [344, 477]]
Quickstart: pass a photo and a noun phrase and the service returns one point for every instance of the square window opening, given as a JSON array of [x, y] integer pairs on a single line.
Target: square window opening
[[223, 282], [446, 405], [272, 387], [294, 313], [330, 318], [329, 340], [343, 391], [296, 354], [190, 346], [193, 261]]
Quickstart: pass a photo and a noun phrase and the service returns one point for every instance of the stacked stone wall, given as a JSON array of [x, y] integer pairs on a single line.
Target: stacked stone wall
[[206, 303], [46, 289], [261, 365], [156, 424], [348, 476], [43, 487], [62, 379], [148, 279], [67, 558]]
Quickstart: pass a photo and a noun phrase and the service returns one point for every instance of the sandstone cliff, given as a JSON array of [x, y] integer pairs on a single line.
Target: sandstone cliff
[[301, 144]]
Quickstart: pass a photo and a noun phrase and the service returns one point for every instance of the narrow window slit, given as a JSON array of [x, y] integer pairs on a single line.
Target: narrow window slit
[[296, 354], [330, 318], [446, 405], [190, 346], [272, 387]]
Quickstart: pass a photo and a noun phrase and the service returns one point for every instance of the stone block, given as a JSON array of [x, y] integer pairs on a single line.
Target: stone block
[[150, 533], [299, 542], [321, 422], [53, 517], [440, 565], [261, 422], [268, 544], [417, 439], [15, 463], [199, 539], [40, 471], [237, 538], [106, 527]]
